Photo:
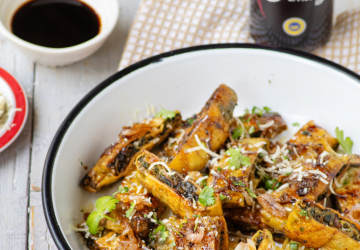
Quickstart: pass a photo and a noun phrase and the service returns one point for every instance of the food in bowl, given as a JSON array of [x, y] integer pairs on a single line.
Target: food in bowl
[[4, 110], [203, 182]]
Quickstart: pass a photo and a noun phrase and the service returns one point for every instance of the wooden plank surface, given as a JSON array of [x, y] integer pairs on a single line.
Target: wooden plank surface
[[55, 91], [15, 160]]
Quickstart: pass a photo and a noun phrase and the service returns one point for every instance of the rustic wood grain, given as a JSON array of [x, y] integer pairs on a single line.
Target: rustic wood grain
[[56, 92], [15, 160]]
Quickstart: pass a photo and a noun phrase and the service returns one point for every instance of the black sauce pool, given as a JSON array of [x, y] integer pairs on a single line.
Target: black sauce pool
[[55, 23]]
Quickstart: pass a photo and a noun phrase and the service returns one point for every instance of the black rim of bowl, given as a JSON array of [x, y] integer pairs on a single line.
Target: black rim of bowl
[[49, 162]]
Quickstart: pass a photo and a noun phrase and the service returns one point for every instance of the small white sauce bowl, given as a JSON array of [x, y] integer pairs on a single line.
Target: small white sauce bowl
[[107, 10]]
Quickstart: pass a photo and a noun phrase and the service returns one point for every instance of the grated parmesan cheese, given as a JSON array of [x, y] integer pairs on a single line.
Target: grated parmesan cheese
[[213, 172], [76, 229], [131, 176], [113, 237], [194, 203], [160, 163], [276, 154], [322, 155], [266, 125], [331, 189], [323, 180], [156, 140], [192, 149], [206, 149], [258, 144], [283, 187], [201, 179], [139, 189], [318, 173]]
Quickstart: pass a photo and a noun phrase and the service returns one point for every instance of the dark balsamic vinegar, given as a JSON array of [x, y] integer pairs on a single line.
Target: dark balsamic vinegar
[[55, 23]]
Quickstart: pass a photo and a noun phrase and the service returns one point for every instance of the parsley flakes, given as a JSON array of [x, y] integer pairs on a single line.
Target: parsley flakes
[[346, 143], [251, 193], [251, 130], [222, 197], [206, 197], [304, 213], [238, 183], [166, 114], [106, 203], [121, 190], [130, 211], [293, 246], [236, 158], [239, 131]]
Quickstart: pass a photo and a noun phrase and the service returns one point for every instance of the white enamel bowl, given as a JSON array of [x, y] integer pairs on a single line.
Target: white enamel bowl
[[107, 10], [298, 85]]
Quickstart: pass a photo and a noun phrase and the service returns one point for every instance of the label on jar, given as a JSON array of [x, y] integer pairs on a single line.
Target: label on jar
[[304, 24], [294, 26]]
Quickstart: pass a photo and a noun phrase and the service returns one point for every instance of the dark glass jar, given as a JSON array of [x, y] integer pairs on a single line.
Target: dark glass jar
[[301, 24]]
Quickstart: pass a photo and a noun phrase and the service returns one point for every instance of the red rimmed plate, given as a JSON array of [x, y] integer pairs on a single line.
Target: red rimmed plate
[[15, 95]]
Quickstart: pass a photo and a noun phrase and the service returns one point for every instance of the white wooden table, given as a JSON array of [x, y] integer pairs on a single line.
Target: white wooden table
[[52, 93]]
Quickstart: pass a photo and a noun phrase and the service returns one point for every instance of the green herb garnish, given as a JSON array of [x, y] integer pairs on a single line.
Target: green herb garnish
[[272, 184], [122, 190], [237, 132], [206, 197], [346, 143], [294, 246], [130, 210], [251, 193], [222, 197], [236, 158], [267, 109], [257, 111], [304, 213], [301, 229], [248, 119], [305, 132], [177, 232], [251, 130], [203, 183], [219, 169], [181, 225], [164, 233], [196, 224], [106, 203], [238, 183], [190, 121], [166, 114]]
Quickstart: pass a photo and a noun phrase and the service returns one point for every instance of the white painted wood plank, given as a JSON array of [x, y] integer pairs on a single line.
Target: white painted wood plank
[[15, 160], [56, 92]]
